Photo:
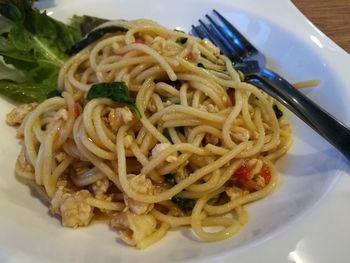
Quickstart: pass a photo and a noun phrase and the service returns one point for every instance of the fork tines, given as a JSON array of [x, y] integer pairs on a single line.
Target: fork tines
[[224, 35]]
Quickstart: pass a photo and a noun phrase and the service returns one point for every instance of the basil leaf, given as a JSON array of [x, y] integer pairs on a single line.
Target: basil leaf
[[116, 91], [170, 179], [277, 111], [11, 73], [54, 93], [185, 204], [93, 36], [181, 40], [86, 23]]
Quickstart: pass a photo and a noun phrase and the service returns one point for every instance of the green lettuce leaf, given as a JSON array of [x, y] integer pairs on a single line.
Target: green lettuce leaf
[[28, 91], [86, 23], [36, 47]]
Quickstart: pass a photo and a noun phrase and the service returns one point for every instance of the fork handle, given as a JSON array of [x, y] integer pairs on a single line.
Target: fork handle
[[331, 129]]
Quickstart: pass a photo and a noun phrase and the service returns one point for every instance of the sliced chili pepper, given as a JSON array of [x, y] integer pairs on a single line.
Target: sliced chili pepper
[[242, 172], [241, 175], [250, 185], [266, 173]]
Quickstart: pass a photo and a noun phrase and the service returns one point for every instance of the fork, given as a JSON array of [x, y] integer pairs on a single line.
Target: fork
[[252, 63]]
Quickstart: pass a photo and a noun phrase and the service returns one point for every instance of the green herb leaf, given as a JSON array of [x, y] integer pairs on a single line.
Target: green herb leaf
[[54, 93], [86, 23], [10, 12], [185, 204], [116, 91], [181, 40], [277, 111], [93, 36], [170, 179], [28, 91]]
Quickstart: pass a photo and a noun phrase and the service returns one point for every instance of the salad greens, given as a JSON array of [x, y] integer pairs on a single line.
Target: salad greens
[[33, 47], [277, 111], [185, 204], [93, 36], [86, 23]]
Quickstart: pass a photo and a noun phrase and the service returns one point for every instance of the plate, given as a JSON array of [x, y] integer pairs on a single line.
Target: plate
[[295, 49]]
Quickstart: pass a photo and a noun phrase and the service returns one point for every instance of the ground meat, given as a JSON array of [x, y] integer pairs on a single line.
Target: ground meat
[[137, 207], [100, 187], [17, 115], [133, 228], [141, 184], [23, 162], [72, 207], [119, 116]]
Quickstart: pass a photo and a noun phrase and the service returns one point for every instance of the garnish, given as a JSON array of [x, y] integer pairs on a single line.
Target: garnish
[[181, 40], [170, 179], [185, 204], [86, 23], [116, 91], [93, 36], [33, 50], [277, 111]]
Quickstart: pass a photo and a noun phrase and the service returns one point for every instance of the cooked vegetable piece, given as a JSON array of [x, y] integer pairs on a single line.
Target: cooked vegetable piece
[[170, 179], [277, 111], [28, 91], [181, 40], [54, 93], [185, 204]]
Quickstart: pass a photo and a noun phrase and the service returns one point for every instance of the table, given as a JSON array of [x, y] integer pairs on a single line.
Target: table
[[331, 16]]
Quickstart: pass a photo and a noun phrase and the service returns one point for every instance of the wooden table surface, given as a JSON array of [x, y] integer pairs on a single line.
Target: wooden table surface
[[332, 17]]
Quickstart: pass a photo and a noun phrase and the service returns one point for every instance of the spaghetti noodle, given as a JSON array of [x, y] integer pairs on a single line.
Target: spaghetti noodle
[[202, 147]]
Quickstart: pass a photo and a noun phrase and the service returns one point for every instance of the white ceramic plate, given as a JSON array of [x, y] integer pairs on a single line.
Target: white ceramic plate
[[297, 50]]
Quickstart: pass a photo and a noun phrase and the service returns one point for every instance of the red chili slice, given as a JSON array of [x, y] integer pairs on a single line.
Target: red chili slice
[[241, 175], [266, 173], [251, 185]]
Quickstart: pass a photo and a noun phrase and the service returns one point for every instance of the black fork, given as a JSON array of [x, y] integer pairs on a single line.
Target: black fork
[[252, 64]]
